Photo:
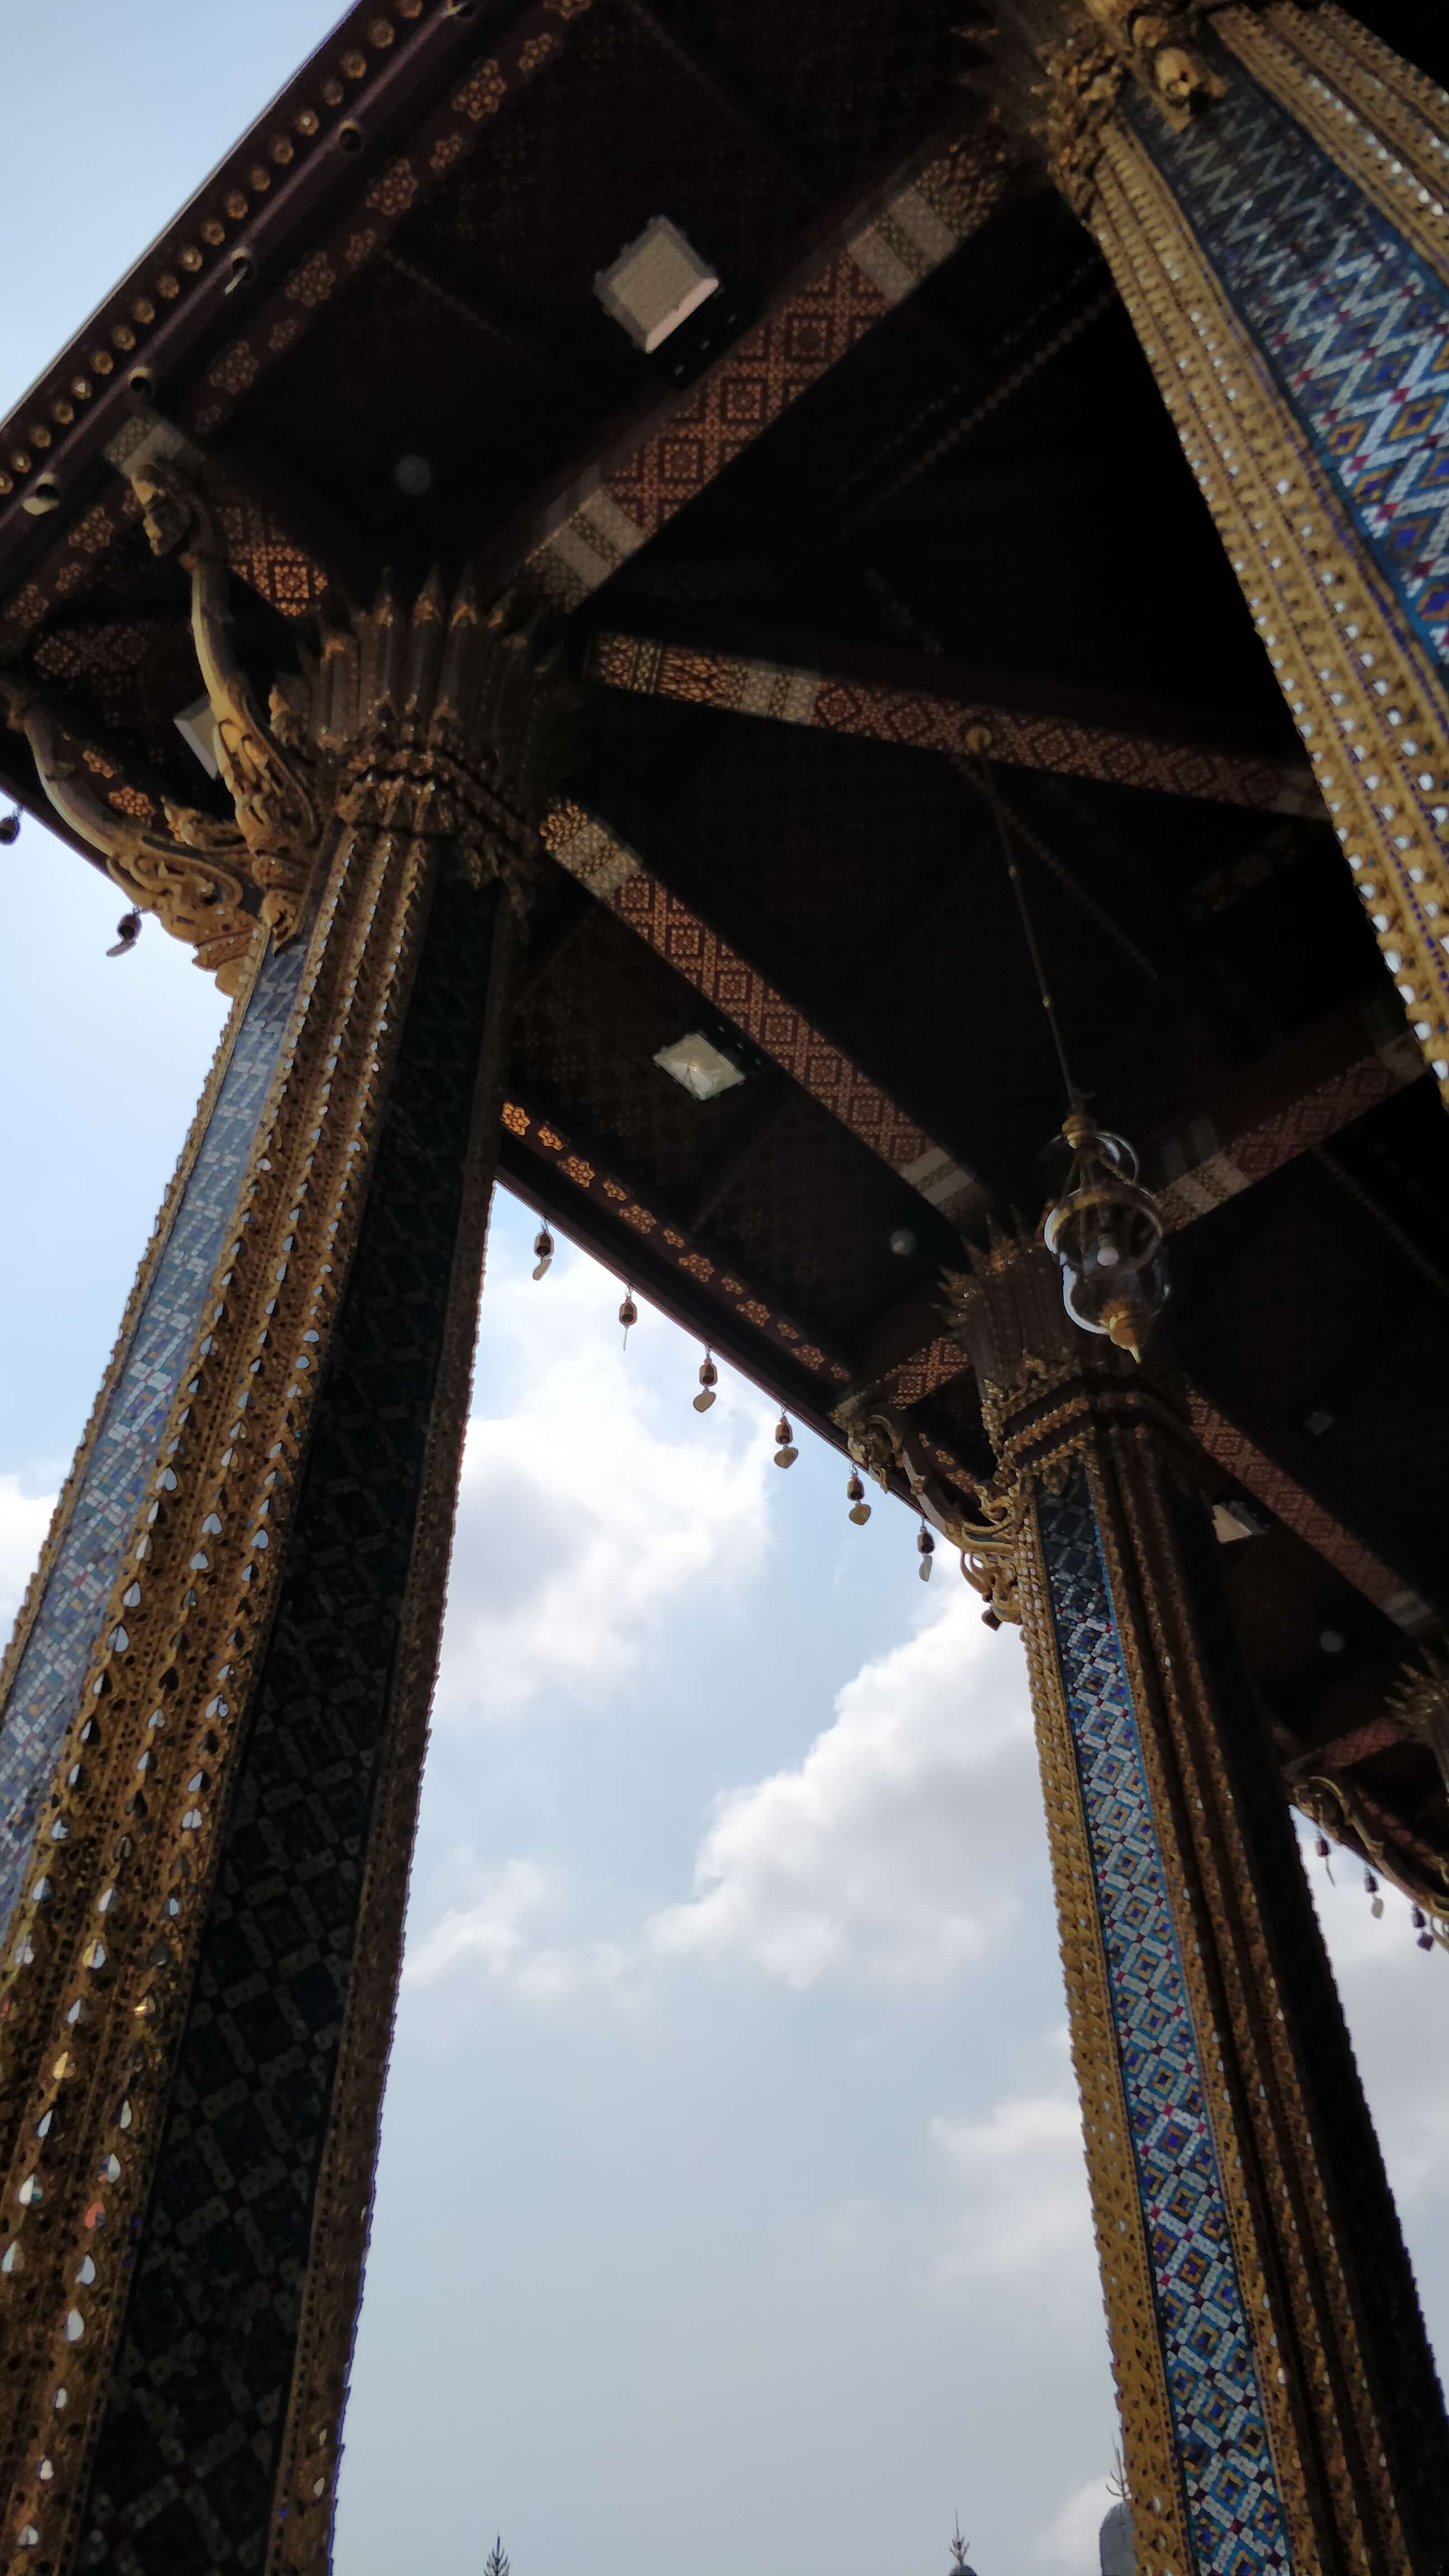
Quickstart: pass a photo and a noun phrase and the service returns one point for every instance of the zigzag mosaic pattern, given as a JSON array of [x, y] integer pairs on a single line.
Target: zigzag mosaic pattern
[[53, 1664], [1234, 2508], [1355, 325]]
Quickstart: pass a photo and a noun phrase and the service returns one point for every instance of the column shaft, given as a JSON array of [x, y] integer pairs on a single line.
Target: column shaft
[[1287, 271], [200, 1984], [1280, 2405]]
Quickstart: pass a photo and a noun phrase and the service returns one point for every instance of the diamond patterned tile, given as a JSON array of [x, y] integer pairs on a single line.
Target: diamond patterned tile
[[53, 1665], [1232, 2494], [1355, 325], [188, 2452]]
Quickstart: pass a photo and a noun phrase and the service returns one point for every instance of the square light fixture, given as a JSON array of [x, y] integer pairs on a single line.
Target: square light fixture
[[197, 727], [699, 1066], [655, 284]]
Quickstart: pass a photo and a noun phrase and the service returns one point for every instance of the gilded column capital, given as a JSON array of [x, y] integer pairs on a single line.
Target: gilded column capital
[[440, 717], [1092, 50], [1046, 1386]]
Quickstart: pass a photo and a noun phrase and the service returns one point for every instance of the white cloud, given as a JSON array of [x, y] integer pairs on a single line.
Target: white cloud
[[1020, 2181], [1070, 2538], [593, 1502], [895, 1853], [24, 1520], [496, 1934]]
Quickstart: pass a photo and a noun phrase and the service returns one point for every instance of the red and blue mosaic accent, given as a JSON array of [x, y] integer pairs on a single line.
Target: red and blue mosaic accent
[[1235, 2512], [53, 1665], [1352, 323]]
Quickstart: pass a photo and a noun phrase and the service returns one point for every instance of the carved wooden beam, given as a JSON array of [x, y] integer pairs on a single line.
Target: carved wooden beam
[[1300, 1096], [1310, 1520], [874, 248], [313, 164], [867, 258], [612, 871], [923, 706], [1293, 1101]]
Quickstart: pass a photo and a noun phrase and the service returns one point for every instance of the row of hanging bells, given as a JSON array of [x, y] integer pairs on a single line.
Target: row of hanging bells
[[786, 1452], [1424, 1938]]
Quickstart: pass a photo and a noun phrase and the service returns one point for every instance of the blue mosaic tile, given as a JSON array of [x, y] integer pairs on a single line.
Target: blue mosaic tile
[[1234, 2507], [58, 1649], [1352, 322]]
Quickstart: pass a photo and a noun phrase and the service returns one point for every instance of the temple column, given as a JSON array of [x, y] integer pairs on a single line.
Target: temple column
[[1279, 2403], [199, 1974], [1268, 185]]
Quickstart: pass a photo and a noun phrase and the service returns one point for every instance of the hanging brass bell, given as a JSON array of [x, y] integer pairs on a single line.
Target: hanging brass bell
[[708, 1380], [786, 1452], [855, 1496]]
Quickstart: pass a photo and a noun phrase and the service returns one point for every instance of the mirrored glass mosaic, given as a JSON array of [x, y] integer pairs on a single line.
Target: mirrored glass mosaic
[[1354, 324], [1234, 2509], [53, 1665]]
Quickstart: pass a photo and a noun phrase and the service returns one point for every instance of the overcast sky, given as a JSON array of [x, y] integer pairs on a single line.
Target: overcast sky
[[731, 2210]]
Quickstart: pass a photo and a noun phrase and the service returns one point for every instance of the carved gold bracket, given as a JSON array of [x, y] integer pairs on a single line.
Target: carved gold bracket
[[441, 717], [1334, 1806], [882, 1443], [195, 882]]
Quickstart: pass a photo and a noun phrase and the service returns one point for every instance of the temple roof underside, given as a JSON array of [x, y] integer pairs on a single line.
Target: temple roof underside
[[903, 481]]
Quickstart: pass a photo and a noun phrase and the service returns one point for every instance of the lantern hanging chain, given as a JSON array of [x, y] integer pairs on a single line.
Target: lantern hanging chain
[[1076, 1099]]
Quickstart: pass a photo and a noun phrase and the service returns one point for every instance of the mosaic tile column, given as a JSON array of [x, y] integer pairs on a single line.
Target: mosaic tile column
[[196, 1996], [1279, 2402], [56, 1629], [1284, 256]]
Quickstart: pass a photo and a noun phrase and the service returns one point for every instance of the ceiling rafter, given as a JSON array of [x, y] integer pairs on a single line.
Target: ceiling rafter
[[320, 146], [593, 853], [1260, 1475], [864, 261], [923, 706]]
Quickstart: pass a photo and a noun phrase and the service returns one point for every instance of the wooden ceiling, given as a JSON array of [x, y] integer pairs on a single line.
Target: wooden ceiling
[[905, 474]]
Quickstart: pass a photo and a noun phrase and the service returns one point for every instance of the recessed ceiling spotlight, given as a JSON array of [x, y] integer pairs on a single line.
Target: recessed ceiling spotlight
[[1319, 1421], [903, 1243], [1331, 1640], [655, 284], [413, 476], [699, 1066]]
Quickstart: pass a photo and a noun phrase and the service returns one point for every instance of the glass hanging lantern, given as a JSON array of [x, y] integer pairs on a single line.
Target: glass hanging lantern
[[1106, 1232]]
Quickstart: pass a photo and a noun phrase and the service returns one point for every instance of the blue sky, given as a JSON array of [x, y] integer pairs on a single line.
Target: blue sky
[[731, 2205]]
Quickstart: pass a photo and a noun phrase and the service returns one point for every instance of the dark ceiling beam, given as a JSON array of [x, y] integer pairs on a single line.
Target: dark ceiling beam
[[923, 705], [733, 986], [223, 262], [1252, 1468], [775, 1097], [524, 350], [547, 948], [710, 1296], [1289, 1103], [723, 93], [864, 259]]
